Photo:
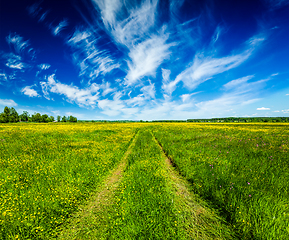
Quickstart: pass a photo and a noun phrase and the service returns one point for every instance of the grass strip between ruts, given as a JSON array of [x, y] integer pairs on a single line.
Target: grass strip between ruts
[[149, 203]]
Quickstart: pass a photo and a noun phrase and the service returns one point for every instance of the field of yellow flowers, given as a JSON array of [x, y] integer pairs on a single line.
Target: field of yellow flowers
[[236, 175], [47, 170]]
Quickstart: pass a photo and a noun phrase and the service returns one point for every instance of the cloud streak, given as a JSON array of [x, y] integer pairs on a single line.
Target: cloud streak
[[56, 30], [8, 102], [263, 109], [91, 61]]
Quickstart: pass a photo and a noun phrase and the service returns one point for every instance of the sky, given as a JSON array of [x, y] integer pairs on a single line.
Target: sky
[[145, 60]]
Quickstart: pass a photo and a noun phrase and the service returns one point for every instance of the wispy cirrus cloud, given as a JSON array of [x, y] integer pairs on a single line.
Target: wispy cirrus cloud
[[106, 88], [44, 66], [168, 86], [22, 54], [134, 27], [146, 57], [130, 23], [91, 60], [242, 86], [149, 91], [56, 30], [236, 83], [29, 91], [204, 68], [17, 42], [36, 11], [3, 77], [14, 61]]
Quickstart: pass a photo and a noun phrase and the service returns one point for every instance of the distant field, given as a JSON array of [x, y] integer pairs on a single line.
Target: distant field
[[229, 181]]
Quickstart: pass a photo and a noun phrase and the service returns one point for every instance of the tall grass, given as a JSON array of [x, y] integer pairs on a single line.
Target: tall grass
[[242, 170]]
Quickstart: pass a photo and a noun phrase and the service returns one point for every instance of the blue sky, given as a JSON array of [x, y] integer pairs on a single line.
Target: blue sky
[[113, 59]]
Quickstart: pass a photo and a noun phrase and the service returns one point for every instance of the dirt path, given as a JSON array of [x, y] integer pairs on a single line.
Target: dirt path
[[199, 220], [82, 220]]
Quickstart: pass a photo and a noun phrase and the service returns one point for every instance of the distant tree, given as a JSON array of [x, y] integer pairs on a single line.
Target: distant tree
[[58, 118], [44, 118], [24, 116], [36, 117], [51, 119], [2, 118], [14, 117], [71, 119], [64, 119], [6, 114]]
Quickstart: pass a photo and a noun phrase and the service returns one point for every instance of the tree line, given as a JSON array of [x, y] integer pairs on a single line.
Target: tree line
[[10, 115], [242, 119]]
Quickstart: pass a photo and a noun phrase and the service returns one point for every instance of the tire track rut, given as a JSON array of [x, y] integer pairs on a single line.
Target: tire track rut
[[103, 197]]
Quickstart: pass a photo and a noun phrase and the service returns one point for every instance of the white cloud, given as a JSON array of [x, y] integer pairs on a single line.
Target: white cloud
[[274, 74], [168, 86], [29, 91], [206, 65], [16, 65], [17, 42], [133, 26], [146, 57], [8, 102], [82, 97], [106, 89], [287, 94], [109, 10], [149, 91], [114, 107], [21, 49], [204, 68], [136, 101], [276, 111], [3, 77], [236, 83], [285, 111], [187, 97], [91, 60], [14, 61], [44, 66], [256, 40], [56, 30], [263, 108]]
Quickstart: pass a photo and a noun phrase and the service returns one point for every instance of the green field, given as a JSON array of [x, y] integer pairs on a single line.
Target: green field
[[144, 181]]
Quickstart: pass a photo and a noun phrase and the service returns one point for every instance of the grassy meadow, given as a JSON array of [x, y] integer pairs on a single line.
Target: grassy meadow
[[48, 170], [241, 170], [222, 181]]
